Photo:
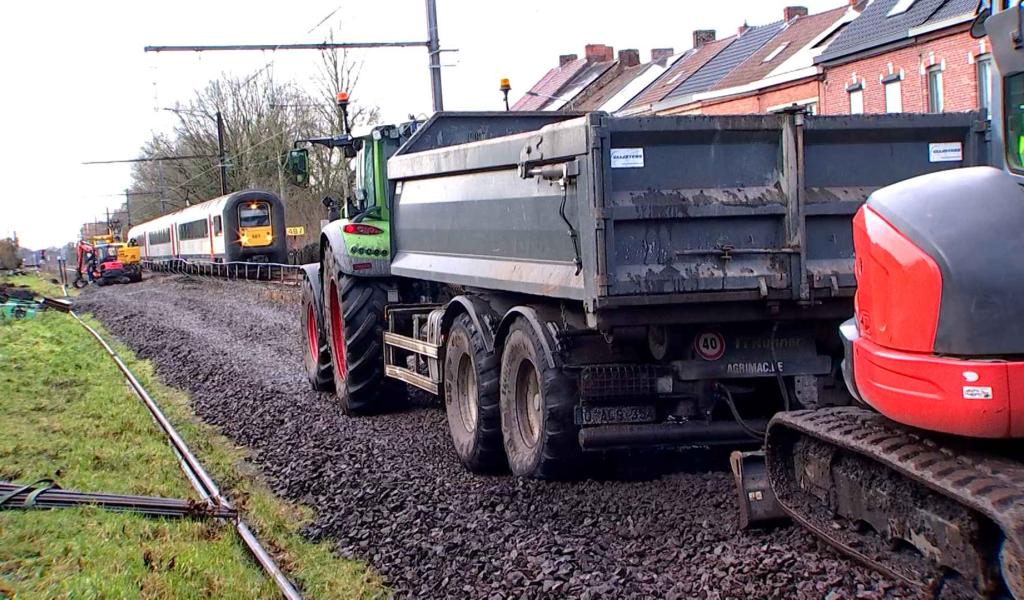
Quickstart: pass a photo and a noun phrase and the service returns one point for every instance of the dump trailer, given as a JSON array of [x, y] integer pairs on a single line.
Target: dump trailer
[[570, 283]]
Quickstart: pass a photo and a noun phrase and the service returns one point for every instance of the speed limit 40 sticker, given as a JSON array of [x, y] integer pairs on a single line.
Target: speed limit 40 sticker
[[709, 345]]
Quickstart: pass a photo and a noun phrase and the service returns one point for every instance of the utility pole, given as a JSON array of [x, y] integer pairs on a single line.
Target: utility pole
[[434, 52], [220, 156], [431, 44]]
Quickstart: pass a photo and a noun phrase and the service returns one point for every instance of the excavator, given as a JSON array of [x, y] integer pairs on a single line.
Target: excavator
[[922, 476], [104, 259]]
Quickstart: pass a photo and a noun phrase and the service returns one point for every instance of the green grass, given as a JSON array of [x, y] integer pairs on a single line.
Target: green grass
[[67, 414], [41, 284]]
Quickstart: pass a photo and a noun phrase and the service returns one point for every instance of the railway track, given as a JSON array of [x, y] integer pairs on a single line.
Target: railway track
[[242, 271], [198, 477]]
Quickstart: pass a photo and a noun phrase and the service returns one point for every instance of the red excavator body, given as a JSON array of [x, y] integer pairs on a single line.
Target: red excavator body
[[937, 341]]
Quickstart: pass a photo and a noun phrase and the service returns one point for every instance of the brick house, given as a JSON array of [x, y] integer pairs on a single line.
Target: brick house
[[907, 56], [781, 73], [862, 56]]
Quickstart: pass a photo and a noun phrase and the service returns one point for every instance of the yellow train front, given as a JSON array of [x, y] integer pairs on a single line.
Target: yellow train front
[[246, 226]]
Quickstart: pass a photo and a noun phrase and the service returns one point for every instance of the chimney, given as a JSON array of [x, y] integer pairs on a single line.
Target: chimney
[[703, 36], [629, 58], [599, 53], [742, 28], [566, 59], [660, 53], [791, 12]]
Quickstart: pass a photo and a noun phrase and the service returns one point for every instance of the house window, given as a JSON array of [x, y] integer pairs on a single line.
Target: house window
[[984, 72], [893, 96], [857, 101], [935, 89]]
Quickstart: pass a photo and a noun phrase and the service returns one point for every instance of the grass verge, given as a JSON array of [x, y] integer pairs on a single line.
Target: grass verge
[[67, 414]]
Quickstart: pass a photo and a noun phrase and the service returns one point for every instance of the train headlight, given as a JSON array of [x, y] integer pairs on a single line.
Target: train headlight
[[270, 237]]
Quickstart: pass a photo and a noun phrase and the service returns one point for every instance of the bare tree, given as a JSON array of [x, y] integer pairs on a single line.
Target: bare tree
[[9, 253], [262, 119]]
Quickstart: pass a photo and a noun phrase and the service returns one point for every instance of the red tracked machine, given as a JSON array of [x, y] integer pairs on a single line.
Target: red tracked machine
[[924, 480]]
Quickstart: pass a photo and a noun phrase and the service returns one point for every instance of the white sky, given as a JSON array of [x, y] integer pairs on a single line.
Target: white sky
[[75, 84]]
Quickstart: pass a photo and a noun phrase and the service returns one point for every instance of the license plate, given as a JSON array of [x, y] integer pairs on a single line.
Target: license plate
[[602, 415]]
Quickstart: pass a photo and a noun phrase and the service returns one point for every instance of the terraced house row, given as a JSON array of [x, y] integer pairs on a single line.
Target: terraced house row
[[866, 56]]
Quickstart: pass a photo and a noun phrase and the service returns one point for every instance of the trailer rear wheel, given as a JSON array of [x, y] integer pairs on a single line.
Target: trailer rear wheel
[[537, 409], [355, 334], [471, 398], [316, 354]]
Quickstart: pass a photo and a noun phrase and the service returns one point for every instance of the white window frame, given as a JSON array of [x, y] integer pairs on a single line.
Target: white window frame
[[897, 86], [985, 59], [856, 108], [935, 105]]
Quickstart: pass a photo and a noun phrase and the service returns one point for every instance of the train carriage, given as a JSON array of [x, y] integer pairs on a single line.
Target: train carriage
[[246, 226]]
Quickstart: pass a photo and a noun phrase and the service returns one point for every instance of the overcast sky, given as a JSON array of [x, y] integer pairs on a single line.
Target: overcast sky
[[75, 84]]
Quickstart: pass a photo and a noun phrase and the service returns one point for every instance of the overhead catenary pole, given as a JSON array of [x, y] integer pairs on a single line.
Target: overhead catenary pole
[[434, 52]]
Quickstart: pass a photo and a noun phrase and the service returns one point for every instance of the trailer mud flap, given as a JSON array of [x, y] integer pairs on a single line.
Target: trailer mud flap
[[757, 502]]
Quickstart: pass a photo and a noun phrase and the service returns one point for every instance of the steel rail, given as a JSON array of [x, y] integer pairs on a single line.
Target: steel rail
[[195, 472]]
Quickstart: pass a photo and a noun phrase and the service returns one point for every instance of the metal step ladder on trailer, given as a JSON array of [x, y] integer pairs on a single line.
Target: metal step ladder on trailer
[[413, 356]]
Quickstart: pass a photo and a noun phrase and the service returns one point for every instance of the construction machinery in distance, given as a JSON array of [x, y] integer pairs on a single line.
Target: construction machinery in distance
[[105, 260]]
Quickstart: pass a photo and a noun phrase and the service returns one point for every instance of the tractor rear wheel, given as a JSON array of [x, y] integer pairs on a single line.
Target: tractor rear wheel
[[538, 401], [316, 354], [354, 317]]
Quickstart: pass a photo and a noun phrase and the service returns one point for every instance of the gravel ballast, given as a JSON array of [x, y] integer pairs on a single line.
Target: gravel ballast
[[389, 490]]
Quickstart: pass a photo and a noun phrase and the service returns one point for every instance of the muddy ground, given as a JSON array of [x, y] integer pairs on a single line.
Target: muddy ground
[[389, 490]]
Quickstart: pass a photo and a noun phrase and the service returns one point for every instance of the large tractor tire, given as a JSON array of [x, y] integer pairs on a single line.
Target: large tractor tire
[[354, 316], [316, 354], [471, 398], [537, 409]]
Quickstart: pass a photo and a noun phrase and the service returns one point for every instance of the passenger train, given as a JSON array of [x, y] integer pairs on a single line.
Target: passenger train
[[246, 226]]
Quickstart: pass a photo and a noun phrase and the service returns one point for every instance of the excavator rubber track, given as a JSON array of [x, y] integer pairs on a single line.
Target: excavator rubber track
[[932, 512]]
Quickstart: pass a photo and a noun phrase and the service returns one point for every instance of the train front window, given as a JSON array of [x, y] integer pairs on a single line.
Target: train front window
[[254, 214]]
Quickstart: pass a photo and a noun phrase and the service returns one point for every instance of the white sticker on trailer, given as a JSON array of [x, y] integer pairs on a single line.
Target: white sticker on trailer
[[627, 158], [977, 392], [945, 152]]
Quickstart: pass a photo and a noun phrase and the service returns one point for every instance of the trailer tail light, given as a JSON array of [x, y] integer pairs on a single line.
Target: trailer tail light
[[361, 229]]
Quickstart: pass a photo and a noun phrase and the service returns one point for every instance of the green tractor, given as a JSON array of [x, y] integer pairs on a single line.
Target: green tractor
[[361, 226]]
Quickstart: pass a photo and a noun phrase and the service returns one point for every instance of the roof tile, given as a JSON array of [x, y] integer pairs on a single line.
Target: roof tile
[[724, 62], [549, 85], [680, 71], [874, 27], [795, 37]]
